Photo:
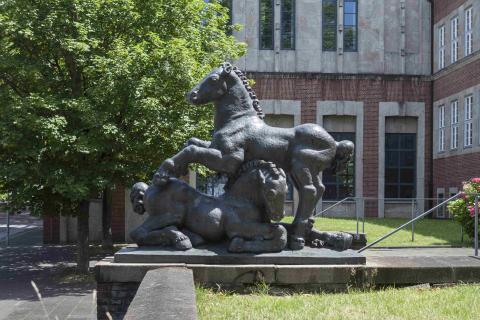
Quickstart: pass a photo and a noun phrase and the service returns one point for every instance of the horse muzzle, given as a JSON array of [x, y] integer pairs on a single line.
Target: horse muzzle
[[192, 97]]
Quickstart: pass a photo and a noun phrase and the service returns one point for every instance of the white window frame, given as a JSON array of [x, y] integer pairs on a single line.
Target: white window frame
[[454, 126], [441, 47], [468, 127], [441, 128], [468, 31], [454, 40]]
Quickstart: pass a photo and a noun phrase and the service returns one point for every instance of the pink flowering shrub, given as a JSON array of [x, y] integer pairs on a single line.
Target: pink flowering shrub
[[463, 208]]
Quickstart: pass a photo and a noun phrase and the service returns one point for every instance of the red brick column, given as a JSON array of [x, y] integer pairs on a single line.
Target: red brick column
[[118, 214]]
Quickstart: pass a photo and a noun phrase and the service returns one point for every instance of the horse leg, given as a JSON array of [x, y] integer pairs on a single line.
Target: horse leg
[[209, 157], [169, 236], [275, 242], [154, 222], [307, 184]]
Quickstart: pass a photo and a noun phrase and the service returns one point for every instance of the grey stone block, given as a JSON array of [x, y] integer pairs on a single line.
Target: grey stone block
[[166, 293]]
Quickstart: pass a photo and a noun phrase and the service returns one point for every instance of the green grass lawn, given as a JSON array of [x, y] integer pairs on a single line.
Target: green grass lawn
[[428, 232], [459, 302]]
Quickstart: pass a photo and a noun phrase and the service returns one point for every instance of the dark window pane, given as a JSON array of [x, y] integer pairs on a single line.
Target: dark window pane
[[290, 190], [266, 24], [391, 141], [407, 158], [329, 21], [407, 191], [391, 191], [391, 159], [408, 142], [350, 26], [350, 39], [391, 175], [288, 24], [341, 185], [400, 165], [330, 193], [407, 176], [329, 38]]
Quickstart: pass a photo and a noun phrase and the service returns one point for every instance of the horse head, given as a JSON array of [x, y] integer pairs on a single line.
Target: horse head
[[225, 81], [212, 87], [274, 189], [264, 182]]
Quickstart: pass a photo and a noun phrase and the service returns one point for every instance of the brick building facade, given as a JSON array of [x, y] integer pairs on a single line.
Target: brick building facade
[[369, 71], [456, 95]]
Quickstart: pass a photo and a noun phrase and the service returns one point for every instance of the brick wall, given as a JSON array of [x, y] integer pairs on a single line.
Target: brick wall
[[457, 80], [452, 171], [118, 213], [51, 229], [114, 298], [443, 8], [371, 90]]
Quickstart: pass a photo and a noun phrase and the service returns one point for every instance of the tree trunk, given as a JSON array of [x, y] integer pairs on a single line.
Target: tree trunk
[[83, 256], [107, 242]]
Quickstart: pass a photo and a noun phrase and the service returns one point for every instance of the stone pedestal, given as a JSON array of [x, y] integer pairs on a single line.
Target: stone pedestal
[[218, 255]]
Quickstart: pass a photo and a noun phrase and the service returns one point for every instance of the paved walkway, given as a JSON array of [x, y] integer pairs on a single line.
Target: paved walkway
[[51, 268], [19, 223]]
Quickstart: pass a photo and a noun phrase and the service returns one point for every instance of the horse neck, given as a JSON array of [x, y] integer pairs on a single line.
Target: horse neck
[[247, 188], [235, 104]]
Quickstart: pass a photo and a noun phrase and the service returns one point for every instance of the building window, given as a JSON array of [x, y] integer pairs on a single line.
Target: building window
[[211, 185], [350, 35], [468, 31], [400, 165], [341, 185], [329, 25], [266, 25], [454, 131], [288, 25], [454, 37], [468, 129], [441, 47], [441, 128]]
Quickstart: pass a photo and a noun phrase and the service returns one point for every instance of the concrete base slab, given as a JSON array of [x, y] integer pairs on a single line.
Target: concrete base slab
[[218, 255], [165, 293]]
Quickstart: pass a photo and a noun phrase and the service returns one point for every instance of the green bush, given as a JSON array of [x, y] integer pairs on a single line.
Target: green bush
[[463, 208]]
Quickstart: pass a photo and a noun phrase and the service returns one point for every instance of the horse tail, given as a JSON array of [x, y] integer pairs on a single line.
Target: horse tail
[[136, 197], [343, 155]]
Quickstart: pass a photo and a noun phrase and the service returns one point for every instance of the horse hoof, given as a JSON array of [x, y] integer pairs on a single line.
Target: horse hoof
[[236, 245], [183, 244], [296, 243]]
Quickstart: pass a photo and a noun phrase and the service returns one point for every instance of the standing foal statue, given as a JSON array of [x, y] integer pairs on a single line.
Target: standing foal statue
[[241, 135]]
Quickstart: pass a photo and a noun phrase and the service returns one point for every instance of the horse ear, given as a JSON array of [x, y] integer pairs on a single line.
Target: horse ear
[[227, 67]]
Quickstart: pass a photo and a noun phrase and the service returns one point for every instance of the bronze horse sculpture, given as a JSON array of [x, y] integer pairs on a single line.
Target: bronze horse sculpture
[[181, 217], [241, 135]]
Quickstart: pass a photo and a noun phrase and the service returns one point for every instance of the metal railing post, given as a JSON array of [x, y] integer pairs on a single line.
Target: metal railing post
[[413, 223], [476, 226], [413, 220], [363, 215], [356, 215], [8, 228]]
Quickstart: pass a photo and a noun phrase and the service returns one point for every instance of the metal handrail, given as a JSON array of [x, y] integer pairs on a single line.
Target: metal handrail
[[333, 206], [409, 222]]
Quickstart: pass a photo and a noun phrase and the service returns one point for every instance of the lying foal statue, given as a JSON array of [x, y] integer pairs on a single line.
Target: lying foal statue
[[182, 217]]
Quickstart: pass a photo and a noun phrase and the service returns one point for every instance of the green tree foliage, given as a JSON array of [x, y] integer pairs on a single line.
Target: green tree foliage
[[92, 91]]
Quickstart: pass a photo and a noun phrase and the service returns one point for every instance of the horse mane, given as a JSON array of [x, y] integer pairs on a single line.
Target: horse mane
[[253, 96], [269, 169]]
